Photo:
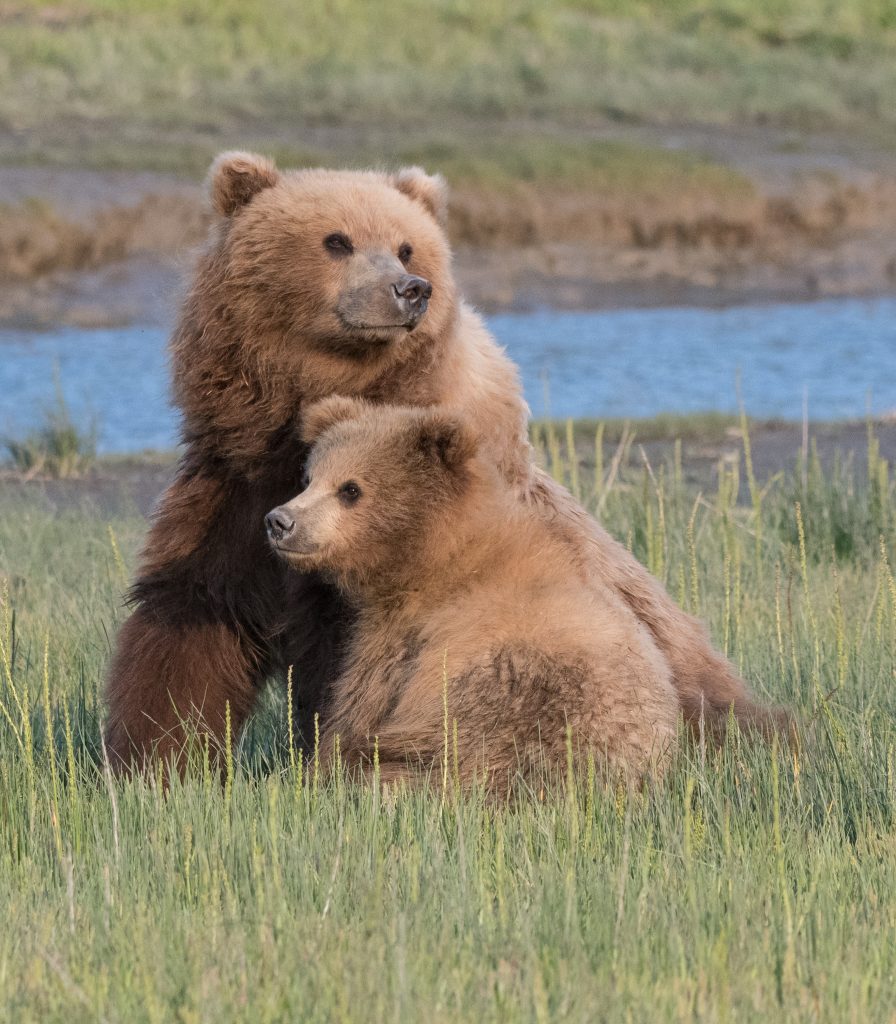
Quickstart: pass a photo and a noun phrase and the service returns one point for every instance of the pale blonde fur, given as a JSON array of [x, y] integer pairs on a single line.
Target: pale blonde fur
[[470, 606]]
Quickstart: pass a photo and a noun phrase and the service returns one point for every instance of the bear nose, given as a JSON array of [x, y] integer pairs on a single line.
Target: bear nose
[[413, 291], [280, 524]]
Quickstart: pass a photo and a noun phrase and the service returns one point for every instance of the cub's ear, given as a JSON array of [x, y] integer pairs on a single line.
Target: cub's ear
[[322, 415], [429, 190], [235, 177], [446, 440]]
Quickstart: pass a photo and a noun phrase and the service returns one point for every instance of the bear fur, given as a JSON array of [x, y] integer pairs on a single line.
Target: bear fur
[[466, 598], [294, 299]]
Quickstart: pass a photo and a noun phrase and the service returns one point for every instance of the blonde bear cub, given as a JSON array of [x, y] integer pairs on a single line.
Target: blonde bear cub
[[463, 592]]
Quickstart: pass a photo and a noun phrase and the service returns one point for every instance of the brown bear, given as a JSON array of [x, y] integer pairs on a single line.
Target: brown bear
[[466, 600], [317, 283]]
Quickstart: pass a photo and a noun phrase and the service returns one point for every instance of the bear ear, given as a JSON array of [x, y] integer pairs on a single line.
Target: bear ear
[[429, 190], [322, 415], [446, 440], [236, 177]]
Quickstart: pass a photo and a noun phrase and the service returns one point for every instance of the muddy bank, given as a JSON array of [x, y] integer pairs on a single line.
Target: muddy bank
[[92, 248], [121, 485]]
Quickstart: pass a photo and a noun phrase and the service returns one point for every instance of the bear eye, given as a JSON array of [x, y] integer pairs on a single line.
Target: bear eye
[[349, 492], [338, 244], [405, 252], [305, 482]]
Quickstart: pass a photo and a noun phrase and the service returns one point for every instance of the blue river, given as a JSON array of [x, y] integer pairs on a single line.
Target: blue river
[[838, 355]]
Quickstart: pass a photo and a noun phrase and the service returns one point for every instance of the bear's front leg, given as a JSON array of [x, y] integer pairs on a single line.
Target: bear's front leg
[[168, 682], [208, 594]]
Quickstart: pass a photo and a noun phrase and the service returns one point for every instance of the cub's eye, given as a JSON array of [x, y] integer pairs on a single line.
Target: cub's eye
[[349, 493], [305, 482], [405, 252], [338, 244]]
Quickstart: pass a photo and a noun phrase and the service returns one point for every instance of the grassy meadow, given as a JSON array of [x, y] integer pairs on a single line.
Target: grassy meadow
[[753, 883], [485, 90]]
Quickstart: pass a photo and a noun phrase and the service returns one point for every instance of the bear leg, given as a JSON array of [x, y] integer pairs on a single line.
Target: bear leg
[[167, 683]]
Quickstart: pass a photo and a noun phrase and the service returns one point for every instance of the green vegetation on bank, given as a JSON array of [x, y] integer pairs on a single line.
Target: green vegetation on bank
[[167, 84], [753, 884], [34, 454], [685, 426], [59, 447]]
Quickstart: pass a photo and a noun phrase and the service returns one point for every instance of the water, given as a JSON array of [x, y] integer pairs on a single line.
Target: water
[[619, 363]]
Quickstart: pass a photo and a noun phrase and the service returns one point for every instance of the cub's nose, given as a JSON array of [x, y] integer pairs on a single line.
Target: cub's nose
[[280, 524], [412, 292]]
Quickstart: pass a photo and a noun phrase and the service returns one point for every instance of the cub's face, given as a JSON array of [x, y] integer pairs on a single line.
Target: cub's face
[[353, 263], [378, 480]]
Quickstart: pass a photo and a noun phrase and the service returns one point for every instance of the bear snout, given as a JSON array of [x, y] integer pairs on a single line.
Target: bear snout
[[279, 523], [412, 295], [290, 536]]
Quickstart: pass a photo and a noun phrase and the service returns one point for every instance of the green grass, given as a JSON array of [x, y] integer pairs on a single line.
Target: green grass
[[141, 83], [752, 884], [696, 426]]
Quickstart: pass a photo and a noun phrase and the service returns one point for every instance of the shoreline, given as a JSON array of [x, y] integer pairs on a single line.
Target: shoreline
[[90, 248], [146, 292], [709, 443]]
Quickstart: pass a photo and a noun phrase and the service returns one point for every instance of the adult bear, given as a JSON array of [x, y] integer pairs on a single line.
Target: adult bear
[[315, 283]]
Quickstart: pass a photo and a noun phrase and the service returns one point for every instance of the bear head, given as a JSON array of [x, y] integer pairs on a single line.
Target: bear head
[[381, 480], [352, 263]]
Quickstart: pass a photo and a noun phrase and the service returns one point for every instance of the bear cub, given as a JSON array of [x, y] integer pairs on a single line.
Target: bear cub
[[463, 594]]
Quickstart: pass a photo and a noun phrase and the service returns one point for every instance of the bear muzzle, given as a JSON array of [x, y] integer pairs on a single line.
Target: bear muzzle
[[279, 524], [378, 296], [285, 535], [412, 295]]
